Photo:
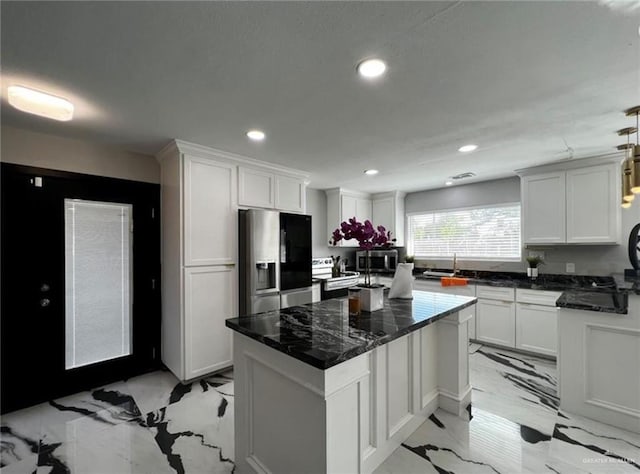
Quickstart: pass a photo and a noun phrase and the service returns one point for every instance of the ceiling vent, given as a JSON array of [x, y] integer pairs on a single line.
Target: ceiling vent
[[468, 174]]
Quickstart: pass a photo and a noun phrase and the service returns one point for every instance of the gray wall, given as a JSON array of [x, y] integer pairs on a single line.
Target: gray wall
[[588, 259], [29, 148]]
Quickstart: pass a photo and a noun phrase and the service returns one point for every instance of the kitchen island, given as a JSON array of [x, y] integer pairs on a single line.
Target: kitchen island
[[318, 391]]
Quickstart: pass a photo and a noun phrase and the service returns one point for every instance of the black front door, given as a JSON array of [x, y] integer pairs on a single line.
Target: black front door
[[80, 282]]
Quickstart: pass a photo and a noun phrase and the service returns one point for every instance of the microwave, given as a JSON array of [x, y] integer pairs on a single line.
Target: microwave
[[380, 261]]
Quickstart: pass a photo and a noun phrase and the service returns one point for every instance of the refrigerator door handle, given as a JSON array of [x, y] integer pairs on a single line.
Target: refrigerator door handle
[[283, 246]]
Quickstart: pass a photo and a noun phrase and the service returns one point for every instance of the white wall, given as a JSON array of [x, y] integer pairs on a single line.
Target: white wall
[[29, 148], [588, 259]]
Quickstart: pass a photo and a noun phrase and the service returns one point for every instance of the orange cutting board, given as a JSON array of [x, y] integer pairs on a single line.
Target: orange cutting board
[[453, 281]]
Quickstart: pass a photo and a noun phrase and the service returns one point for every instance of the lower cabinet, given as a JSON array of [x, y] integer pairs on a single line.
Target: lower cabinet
[[495, 322], [537, 328], [209, 299], [316, 292]]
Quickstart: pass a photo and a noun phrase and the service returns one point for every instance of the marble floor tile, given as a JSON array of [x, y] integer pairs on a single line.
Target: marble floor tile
[[124, 449], [20, 436], [196, 434], [404, 460], [593, 447], [160, 389]]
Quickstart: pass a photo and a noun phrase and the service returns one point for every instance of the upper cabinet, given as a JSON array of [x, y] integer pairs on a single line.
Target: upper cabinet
[[543, 208], [209, 193], [388, 211], [593, 205], [271, 190], [342, 205], [572, 206]]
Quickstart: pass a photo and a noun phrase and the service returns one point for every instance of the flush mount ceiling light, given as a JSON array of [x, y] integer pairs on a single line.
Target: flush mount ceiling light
[[371, 172], [448, 183], [371, 68], [256, 135], [40, 103], [468, 174], [468, 148]]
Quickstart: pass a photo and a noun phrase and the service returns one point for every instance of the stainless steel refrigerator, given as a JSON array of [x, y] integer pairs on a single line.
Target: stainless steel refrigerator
[[275, 260]]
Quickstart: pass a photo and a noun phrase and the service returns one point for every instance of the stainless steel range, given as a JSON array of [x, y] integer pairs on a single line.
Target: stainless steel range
[[332, 287]]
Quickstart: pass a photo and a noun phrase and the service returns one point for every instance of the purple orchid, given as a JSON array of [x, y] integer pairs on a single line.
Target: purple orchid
[[368, 237]]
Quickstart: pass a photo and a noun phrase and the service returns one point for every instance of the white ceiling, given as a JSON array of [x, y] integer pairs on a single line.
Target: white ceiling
[[523, 80]]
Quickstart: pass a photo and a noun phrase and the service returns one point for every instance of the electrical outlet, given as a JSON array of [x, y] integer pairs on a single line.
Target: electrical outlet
[[571, 268], [536, 253]]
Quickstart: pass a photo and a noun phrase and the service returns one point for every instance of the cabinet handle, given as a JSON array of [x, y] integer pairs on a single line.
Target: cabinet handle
[[229, 264]]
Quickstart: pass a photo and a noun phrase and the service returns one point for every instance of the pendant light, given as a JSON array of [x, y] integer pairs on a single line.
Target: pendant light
[[631, 165]]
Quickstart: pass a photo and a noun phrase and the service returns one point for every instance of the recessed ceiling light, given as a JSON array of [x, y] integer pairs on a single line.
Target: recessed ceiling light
[[40, 103], [371, 68], [468, 148], [448, 183], [371, 172], [256, 135]]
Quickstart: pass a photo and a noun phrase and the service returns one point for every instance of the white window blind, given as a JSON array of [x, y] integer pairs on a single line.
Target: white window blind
[[98, 271], [482, 233]]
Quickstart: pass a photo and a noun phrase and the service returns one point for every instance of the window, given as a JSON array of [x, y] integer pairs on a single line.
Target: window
[[481, 233]]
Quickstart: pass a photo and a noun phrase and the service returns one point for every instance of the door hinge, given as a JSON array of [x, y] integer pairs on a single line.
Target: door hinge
[[153, 283], [153, 212], [153, 353]]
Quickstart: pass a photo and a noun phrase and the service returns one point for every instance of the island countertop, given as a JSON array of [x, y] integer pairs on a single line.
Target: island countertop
[[323, 335]]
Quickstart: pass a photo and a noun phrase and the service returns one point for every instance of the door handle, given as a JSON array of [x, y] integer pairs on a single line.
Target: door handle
[[44, 302]]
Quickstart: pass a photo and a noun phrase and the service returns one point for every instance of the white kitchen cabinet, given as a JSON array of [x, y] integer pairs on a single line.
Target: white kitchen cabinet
[[316, 292], [463, 290], [495, 322], [593, 200], [290, 194], [209, 205], [271, 190], [579, 205], [388, 211], [343, 205], [199, 252], [256, 188], [543, 208], [537, 328], [537, 321], [210, 296]]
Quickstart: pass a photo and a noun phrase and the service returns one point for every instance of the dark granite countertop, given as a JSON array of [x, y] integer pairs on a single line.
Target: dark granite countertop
[[607, 294], [323, 335]]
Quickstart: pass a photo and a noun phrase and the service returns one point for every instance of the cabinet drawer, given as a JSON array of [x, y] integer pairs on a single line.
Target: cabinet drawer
[[495, 293], [540, 297]]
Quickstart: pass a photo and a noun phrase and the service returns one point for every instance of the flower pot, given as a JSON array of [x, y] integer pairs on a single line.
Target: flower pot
[[371, 298], [532, 272]]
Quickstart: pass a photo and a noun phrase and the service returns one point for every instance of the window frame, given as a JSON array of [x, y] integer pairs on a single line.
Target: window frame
[[409, 236]]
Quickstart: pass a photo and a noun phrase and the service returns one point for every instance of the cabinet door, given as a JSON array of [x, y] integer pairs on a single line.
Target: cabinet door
[[363, 209], [290, 194], [349, 209], [543, 208], [495, 322], [210, 212], [383, 213], [537, 328], [256, 188], [593, 211], [210, 298]]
